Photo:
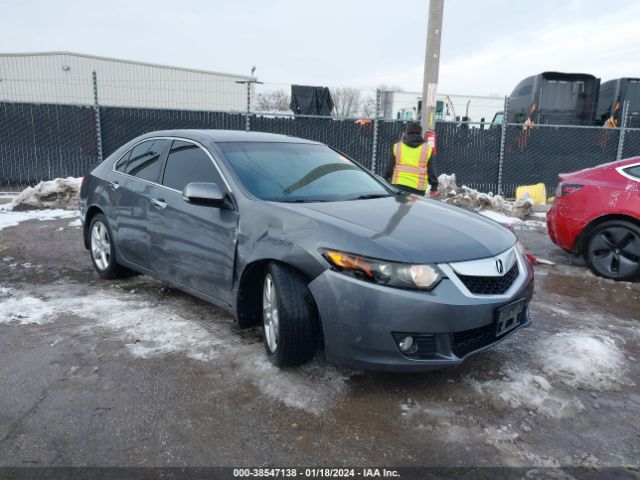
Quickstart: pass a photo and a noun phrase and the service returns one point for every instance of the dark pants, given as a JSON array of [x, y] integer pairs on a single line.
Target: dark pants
[[404, 188]]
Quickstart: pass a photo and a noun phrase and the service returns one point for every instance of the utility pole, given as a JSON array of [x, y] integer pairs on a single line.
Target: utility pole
[[249, 83], [431, 65]]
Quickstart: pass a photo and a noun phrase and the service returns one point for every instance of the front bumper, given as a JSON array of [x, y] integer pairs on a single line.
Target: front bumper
[[360, 318]]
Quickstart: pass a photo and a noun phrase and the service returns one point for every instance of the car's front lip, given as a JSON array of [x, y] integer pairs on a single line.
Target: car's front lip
[[359, 318]]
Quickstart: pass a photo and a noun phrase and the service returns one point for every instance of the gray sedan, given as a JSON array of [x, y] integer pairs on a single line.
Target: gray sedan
[[294, 236]]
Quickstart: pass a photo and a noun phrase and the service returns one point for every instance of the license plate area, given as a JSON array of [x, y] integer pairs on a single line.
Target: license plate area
[[509, 317]]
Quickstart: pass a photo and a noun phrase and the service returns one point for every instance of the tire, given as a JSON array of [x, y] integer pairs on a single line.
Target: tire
[[612, 250], [102, 249], [289, 317]]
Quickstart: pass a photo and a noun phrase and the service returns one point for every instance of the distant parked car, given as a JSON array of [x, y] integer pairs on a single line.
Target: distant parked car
[[292, 235], [596, 213]]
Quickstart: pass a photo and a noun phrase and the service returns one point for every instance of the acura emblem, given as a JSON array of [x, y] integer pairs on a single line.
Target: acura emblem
[[500, 266]]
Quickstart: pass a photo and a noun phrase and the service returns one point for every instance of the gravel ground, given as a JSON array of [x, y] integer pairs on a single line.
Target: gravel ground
[[130, 373]]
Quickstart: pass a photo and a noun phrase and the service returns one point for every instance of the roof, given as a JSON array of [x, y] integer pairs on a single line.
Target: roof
[[111, 59], [220, 136]]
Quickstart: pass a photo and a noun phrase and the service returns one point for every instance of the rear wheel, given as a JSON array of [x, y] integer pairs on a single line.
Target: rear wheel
[[103, 249], [613, 250], [289, 317]]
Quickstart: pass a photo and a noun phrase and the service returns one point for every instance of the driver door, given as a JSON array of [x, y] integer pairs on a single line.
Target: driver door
[[192, 245]]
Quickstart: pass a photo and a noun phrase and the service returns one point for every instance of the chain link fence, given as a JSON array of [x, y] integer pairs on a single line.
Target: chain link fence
[[41, 141]]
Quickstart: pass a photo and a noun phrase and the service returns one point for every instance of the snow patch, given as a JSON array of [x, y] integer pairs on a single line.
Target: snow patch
[[313, 387], [471, 199], [25, 311], [521, 389], [586, 360], [11, 219], [57, 193], [6, 291], [148, 329], [500, 217]]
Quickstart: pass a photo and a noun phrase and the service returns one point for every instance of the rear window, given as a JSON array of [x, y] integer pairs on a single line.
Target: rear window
[[633, 171], [121, 164], [145, 160]]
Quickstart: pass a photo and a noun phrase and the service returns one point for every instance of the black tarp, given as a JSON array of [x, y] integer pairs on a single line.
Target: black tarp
[[306, 100]]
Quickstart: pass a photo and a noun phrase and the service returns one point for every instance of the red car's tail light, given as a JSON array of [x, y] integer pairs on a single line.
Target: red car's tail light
[[567, 188]]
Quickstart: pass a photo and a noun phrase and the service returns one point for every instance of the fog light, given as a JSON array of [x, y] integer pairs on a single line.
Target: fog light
[[406, 343]]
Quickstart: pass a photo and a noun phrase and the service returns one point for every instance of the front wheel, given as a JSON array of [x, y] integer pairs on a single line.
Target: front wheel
[[289, 317], [613, 250]]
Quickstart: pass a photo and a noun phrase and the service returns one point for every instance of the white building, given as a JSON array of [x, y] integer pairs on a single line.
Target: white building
[[404, 106], [63, 77]]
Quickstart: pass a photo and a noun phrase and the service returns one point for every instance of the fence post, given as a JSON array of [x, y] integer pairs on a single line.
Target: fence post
[[374, 150], [623, 126], [96, 110], [503, 138], [247, 125]]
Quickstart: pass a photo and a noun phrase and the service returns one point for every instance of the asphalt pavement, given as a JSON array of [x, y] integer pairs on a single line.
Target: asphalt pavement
[[130, 373]]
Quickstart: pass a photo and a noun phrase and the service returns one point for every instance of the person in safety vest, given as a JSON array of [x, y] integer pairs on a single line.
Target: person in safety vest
[[410, 168]]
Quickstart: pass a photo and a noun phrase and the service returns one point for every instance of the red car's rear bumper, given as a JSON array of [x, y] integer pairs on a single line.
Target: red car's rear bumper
[[564, 224]]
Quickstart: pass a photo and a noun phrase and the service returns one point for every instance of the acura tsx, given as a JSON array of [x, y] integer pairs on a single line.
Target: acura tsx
[[296, 237]]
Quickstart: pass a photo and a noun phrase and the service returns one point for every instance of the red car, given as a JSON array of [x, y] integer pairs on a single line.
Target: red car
[[596, 213]]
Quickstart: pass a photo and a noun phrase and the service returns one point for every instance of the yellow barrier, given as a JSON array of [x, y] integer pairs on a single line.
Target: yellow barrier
[[537, 192]]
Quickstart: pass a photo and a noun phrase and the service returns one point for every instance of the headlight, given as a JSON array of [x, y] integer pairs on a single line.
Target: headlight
[[391, 274]]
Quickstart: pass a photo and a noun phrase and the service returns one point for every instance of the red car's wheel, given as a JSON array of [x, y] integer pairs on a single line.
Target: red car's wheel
[[613, 250]]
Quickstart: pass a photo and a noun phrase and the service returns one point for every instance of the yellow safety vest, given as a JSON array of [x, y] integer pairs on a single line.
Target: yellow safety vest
[[411, 165]]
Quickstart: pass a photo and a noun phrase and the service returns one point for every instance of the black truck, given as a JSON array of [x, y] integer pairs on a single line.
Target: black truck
[[555, 98], [613, 95]]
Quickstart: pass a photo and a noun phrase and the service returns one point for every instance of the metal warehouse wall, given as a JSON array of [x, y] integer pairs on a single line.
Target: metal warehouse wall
[[66, 78]]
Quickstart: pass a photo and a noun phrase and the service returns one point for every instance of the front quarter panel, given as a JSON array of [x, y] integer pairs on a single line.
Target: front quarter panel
[[266, 233]]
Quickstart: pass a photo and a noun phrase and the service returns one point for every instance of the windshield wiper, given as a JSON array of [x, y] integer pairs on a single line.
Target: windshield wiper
[[299, 200], [370, 195]]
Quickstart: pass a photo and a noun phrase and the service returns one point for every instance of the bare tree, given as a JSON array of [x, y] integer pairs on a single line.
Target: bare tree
[[368, 107], [346, 101], [350, 102], [275, 101]]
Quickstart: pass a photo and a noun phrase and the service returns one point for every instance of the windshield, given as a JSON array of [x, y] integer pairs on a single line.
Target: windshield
[[299, 172]]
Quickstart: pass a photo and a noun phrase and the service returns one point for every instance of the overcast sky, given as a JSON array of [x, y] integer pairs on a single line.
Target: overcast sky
[[487, 45]]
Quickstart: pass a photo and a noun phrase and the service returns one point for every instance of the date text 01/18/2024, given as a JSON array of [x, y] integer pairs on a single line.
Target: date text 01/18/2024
[[316, 472]]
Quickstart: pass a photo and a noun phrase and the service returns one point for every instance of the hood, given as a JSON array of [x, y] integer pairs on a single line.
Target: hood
[[409, 229], [412, 139]]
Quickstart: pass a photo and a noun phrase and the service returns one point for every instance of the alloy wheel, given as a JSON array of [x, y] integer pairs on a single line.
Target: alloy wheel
[[100, 246], [615, 251], [270, 313]]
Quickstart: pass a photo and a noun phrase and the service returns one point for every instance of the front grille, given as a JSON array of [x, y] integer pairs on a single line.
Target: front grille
[[490, 285], [469, 341]]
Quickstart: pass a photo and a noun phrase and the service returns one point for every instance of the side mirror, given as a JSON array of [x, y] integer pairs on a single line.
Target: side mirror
[[201, 193]]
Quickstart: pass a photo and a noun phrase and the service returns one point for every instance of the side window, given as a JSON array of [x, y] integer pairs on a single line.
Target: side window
[[122, 163], [633, 171], [188, 163], [145, 160], [526, 90]]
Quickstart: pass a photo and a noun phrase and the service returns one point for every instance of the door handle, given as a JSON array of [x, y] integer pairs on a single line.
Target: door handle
[[159, 203], [114, 186]]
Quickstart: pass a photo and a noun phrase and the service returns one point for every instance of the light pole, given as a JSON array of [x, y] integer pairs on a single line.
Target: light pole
[[250, 82], [431, 65]]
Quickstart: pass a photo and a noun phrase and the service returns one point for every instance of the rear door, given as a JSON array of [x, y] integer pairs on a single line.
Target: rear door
[[191, 244], [131, 192]]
